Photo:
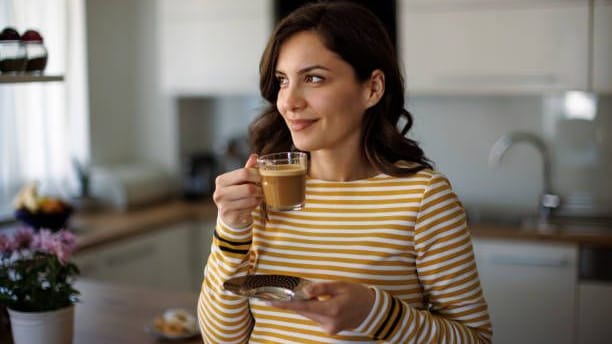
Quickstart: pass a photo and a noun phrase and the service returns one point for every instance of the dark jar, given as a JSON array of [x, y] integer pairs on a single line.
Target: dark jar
[[35, 51], [36, 56], [13, 57]]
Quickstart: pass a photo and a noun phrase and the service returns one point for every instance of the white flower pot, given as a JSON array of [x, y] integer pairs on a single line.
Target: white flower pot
[[53, 327]]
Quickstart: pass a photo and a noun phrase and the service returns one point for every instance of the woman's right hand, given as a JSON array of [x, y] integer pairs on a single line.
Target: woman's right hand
[[238, 193]]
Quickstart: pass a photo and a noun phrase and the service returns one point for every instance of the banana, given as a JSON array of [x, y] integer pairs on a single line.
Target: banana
[[27, 198]]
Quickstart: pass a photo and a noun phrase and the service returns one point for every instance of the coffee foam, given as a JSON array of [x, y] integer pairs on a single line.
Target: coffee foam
[[284, 170]]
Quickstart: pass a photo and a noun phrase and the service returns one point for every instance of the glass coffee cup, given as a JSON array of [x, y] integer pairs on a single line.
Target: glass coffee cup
[[283, 180]]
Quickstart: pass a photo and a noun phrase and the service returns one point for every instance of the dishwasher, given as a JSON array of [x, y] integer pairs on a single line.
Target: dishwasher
[[594, 295]]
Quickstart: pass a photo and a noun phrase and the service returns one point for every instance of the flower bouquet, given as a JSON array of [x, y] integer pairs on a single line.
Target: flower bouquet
[[36, 278], [35, 272]]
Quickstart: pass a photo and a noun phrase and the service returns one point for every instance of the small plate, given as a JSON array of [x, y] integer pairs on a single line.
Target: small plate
[[268, 287], [188, 322]]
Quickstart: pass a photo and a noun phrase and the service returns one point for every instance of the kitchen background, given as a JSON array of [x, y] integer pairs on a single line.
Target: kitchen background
[[174, 83], [165, 84]]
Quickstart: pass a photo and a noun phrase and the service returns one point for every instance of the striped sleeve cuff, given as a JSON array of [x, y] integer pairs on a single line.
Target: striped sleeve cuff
[[231, 239], [384, 317]]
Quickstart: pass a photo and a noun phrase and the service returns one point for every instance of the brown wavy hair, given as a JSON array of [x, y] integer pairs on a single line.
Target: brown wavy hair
[[359, 38]]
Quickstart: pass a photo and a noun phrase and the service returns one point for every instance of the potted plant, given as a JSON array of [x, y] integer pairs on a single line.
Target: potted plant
[[36, 285]]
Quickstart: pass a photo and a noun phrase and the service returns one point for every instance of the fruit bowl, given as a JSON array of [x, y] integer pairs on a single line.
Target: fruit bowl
[[41, 211], [54, 221]]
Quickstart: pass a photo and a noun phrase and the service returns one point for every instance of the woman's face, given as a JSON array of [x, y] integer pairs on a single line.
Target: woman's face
[[320, 98]]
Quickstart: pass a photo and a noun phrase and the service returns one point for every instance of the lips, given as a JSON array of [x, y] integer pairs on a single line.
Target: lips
[[300, 124]]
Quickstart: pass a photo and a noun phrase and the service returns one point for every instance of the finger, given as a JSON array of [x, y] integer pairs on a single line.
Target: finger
[[252, 161], [236, 197], [234, 193], [323, 290], [302, 307], [244, 204], [239, 176]]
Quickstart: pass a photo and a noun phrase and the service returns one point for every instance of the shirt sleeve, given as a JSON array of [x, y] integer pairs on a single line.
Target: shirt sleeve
[[224, 317], [456, 309]]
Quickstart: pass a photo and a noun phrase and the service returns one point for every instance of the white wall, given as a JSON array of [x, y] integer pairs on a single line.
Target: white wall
[[457, 132]]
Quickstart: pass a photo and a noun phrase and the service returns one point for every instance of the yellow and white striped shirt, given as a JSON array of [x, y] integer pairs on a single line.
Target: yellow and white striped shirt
[[405, 237]]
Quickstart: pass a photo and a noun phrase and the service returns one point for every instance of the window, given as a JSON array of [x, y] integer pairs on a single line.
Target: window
[[43, 126]]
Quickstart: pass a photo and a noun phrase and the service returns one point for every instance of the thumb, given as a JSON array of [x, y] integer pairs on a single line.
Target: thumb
[[252, 161], [321, 290]]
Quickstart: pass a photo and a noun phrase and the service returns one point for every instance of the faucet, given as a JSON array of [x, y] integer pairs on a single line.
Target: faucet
[[548, 200]]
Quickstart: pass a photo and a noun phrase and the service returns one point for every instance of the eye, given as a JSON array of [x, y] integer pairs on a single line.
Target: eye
[[281, 80], [314, 79]]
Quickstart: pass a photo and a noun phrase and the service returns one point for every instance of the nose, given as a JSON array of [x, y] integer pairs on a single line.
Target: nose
[[290, 98]]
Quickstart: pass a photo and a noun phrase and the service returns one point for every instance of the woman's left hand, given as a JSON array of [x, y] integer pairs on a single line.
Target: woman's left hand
[[336, 306]]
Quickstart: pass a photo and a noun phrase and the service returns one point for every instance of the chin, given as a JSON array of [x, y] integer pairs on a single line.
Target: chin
[[305, 145]]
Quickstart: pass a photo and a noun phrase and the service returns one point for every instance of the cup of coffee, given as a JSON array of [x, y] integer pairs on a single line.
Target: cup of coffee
[[283, 180]]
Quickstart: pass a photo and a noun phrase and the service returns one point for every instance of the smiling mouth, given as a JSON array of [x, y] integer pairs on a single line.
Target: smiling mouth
[[301, 124]]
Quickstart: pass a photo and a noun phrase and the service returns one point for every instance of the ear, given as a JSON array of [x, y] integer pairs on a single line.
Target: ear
[[374, 88]]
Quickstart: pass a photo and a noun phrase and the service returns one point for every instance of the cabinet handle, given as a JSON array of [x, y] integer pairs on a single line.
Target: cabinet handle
[[506, 259], [130, 256]]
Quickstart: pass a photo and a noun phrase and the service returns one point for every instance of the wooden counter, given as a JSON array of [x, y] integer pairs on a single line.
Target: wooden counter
[[586, 236], [99, 228], [105, 227], [118, 314]]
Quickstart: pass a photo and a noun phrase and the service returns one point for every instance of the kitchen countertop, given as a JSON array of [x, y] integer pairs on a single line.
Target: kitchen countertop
[[585, 236], [94, 229], [100, 228], [109, 313]]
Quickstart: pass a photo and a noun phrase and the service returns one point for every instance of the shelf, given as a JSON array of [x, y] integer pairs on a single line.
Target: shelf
[[20, 78]]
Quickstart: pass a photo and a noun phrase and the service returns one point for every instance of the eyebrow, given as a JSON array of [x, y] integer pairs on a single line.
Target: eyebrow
[[306, 69]]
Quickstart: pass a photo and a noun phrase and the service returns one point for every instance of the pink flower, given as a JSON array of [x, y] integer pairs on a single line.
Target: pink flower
[[36, 271], [67, 239], [6, 244], [44, 241], [60, 244], [23, 237]]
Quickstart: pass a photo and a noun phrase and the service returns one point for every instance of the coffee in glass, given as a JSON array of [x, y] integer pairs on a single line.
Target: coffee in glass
[[283, 180]]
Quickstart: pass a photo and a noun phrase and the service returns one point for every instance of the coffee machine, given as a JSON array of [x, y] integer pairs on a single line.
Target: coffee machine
[[200, 171]]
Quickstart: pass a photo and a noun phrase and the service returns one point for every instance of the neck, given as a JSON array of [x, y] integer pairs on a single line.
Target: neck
[[332, 166]]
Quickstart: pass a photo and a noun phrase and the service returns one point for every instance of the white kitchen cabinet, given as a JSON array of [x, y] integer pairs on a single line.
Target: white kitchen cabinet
[[594, 312], [201, 251], [161, 259], [530, 288], [602, 46], [494, 46], [211, 46]]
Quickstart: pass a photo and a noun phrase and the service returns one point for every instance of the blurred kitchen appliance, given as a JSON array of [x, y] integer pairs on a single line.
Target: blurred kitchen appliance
[[131, 185], [82, 200], [234, 154], [199, 172]]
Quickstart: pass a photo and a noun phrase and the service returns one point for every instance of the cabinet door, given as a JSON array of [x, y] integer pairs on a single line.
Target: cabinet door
[[602, 46], [126, 262], [493, 46], [212, 47], [202, 239], [157, 260], [530, 288], [175, 255], [594, 312]]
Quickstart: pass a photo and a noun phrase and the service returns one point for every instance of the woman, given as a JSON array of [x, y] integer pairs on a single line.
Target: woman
[[381, 233]]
